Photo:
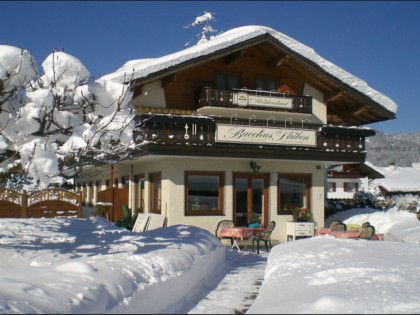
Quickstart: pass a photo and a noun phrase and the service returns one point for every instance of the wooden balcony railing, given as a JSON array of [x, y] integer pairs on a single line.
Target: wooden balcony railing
[[254, 99], [201, 130]]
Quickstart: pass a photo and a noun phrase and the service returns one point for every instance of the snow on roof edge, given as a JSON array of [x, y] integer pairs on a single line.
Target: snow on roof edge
[[142, 68], [398, 179]]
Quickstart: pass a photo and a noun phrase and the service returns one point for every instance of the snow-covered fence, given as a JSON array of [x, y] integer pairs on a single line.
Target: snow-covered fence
[[39, 204]]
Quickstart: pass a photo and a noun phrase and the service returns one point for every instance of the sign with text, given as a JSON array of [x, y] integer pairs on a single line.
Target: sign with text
[[265, 135], [244, 99]]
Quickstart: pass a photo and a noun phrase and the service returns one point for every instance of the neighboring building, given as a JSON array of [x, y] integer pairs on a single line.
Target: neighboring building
[[239, 127], [398, 180], [343, 181]]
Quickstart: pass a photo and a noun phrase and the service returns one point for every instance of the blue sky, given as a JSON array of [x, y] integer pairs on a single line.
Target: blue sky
[[377, 41]]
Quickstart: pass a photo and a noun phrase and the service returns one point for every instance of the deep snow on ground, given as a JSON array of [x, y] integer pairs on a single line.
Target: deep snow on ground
[[92, 266]]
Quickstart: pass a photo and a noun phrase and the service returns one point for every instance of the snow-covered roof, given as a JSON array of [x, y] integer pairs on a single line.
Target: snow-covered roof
[[398, 179], [138, 69]]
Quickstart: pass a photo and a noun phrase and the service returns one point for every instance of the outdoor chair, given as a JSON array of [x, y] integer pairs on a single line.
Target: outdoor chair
[[264, 236], [367, 231], [149, 221], [364, 225], [337, 226], [254, 225], [142, 223], [128, 220], [125, 211], [225, 224]]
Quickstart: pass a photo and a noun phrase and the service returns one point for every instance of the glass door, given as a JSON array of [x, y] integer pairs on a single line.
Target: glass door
[[250, 198]]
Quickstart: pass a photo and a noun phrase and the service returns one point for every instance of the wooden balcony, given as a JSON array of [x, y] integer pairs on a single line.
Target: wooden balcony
[[254, 99], [188, 131]]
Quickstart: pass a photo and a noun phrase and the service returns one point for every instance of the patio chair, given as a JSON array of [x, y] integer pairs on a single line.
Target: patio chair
[[128, 220], [337, 226], [224, 224], [126, 211], [141, 223], [367, 231], [264, 236]]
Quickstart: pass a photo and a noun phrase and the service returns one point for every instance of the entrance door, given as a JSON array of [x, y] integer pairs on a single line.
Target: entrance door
[[250, 198]]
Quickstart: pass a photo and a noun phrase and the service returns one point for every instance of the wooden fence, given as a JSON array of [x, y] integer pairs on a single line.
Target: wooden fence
[[47, 203], [117, 197]]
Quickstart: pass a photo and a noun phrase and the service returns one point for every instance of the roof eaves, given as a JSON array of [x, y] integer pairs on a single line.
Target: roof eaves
[[341, 84]]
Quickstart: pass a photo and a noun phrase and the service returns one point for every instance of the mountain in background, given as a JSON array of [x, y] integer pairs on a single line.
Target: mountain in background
[[402, 148]]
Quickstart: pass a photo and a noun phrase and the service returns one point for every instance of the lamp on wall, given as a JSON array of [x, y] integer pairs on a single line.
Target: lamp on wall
[[255, 167]]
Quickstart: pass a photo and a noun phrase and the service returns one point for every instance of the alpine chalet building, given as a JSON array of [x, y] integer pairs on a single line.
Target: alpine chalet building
[[239, 127]]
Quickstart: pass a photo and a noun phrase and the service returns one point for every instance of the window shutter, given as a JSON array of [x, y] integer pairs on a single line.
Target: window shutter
[[356, 186], [334, 186], [346, 187]]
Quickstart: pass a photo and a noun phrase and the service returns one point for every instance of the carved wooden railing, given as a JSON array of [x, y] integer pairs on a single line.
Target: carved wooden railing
[[228, 98], [54, 203], [201, 130], [11, 203], [44, 203]]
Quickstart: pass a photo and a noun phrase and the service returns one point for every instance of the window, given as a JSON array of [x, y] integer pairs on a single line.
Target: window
[[125, 183], [155, 193], [266, 84], [331, 187], [139, 193], [351, 187], [227, 81], [204, 193], [293, 191]]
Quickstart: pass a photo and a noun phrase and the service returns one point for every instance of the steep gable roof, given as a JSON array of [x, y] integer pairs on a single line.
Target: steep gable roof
[[146, 68]]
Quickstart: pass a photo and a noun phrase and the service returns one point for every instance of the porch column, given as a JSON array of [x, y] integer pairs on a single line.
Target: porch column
[[89, 193], [131, 189], [95, 193]]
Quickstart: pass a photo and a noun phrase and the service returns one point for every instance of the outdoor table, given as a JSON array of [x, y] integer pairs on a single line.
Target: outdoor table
[[350, 233], [238, 233], [322, 231], [346, 234]]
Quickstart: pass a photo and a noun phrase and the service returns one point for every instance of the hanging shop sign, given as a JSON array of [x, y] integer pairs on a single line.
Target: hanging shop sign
[[244, 99], [265, 135]]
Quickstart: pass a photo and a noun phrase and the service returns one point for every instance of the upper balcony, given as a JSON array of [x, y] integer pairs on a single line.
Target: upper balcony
[[254, 99]]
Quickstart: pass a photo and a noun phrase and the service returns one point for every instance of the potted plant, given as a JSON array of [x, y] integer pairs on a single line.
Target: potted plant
[[301, 214], [195, 205]]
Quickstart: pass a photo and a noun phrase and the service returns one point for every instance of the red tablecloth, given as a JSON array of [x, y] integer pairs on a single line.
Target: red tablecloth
[[239, 233], [323, 231], [351, 233], [346, 234]]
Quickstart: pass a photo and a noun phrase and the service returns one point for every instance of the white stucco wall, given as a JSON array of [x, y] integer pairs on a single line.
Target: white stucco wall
[[173, 194], [339, 192], [319, 109]]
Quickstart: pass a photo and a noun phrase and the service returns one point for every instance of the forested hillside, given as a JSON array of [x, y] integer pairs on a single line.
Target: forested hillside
[[401, 148]]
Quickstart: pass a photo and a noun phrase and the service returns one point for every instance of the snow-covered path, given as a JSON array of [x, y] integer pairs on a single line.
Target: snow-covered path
[[234, 289]]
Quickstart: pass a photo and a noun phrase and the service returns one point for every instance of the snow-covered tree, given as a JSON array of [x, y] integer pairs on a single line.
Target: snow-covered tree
[[51, 124]]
